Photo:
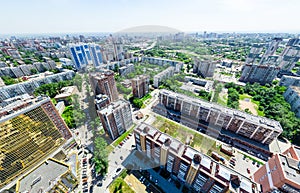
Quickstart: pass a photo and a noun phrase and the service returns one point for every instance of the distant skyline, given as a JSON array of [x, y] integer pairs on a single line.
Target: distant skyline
[[75, 16]]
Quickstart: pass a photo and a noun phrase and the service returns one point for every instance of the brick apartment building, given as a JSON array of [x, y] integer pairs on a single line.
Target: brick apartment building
[[140, 86], [104, 83], [116, 118], [196, 170], [243, 130], [281, 173]]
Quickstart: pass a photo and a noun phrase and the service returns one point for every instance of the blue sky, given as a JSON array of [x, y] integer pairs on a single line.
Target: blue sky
[[65, 16]]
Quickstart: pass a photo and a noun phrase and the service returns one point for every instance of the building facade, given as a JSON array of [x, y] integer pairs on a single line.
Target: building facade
[[255, 54], [116, 118], [30, 129], [262, 74], [162, 62], [289, 81], [281, 173], [96, 54], [29, 86], [140, 86], [217, 121], [196, 170], [27, 70], [80, 54], [204, 68], [104, 83], [162, 76], [125, 70], [292, 96]]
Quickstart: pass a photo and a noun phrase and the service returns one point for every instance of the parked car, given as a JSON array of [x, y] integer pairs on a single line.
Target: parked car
[[248, 170], [119, 169]]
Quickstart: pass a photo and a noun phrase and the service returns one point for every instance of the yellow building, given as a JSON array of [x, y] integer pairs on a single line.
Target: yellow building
[[30, 129]]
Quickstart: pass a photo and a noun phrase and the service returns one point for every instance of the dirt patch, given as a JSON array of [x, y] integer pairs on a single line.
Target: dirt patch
[[247, 104]]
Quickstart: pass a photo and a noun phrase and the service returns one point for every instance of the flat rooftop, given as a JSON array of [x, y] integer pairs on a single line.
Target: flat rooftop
[[20, 104], [165, 71], [233, 112], [206, 161], [296, 89], [290, 168], [292, 77], [112, 106], [42, 177], [163, 59]]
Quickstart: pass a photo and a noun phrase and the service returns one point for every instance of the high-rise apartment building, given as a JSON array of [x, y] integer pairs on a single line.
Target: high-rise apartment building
[[163, 75], [140, 86], [80, 55], [289, 57], [30, 129], [285, 61], [198, 171], [254, 53], [262, 74], [281, 173], [273, 45], [29, 86], [289, 81], [204, 68], [116, 118], [218, 121], [292, 96], [162, 62], [104, 83]]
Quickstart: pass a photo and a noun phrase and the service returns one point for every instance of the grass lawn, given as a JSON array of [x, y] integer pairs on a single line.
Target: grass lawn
[[200, 142], [123, 136], [260, 113], [222, 100], [119, 185], [243, 96]]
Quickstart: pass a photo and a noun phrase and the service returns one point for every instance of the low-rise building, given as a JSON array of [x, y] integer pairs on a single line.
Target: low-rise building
[[60, 107], [292, 96], [50, 176], [197, 171], [65, 93]]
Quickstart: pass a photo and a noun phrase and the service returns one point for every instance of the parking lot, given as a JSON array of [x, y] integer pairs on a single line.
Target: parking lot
[[243, 164]]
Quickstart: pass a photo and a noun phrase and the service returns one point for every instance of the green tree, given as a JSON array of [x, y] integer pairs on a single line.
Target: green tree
[[33, 71], [100, 155], [137, 102]]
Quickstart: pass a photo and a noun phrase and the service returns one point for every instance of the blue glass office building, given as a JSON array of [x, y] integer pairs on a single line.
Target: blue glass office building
[[80, 55], [85, 54]]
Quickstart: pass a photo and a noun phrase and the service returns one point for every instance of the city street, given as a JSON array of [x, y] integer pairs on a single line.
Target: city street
[[117, 159]]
